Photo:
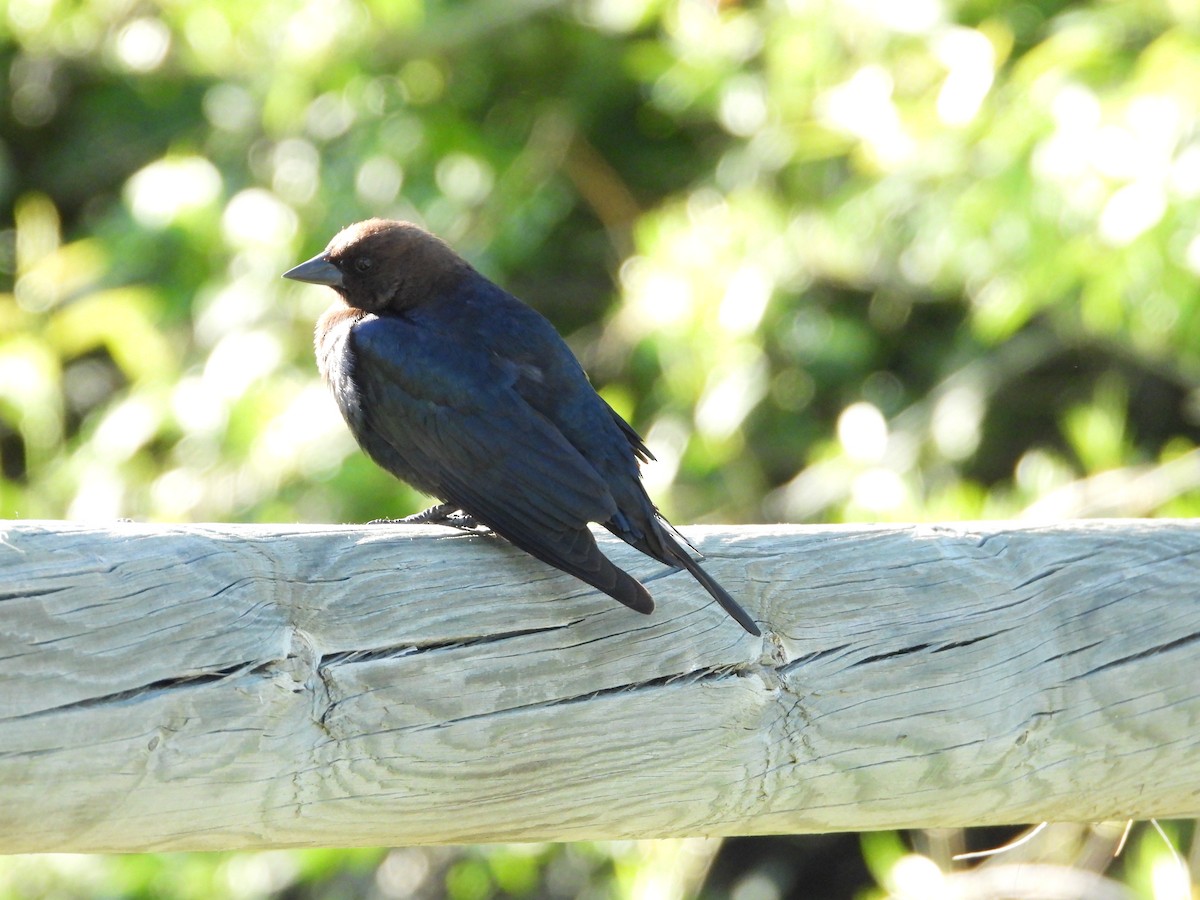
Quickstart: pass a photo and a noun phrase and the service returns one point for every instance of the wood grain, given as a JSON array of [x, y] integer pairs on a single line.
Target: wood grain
[[221, 686]]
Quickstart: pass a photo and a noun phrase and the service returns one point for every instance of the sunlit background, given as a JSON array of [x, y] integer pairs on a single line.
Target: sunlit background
[[838, 260]]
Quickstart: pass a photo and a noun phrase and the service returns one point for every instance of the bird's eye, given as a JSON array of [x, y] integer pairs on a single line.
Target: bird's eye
[[364, 264]]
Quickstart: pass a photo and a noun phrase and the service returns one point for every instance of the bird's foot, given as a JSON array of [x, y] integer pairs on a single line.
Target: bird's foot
[[442, 514]]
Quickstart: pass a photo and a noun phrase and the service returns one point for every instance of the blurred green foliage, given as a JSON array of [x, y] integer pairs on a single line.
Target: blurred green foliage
[[839, 261], [860, 260]]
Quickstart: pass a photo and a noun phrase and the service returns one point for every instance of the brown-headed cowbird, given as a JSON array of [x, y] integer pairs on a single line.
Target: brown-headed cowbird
[[458, 388]]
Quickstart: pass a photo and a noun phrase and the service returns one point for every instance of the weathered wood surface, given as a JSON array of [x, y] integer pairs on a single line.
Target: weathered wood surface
[[249, 686]]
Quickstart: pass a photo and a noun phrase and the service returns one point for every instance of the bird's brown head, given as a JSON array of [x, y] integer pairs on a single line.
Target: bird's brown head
[[383, 265]]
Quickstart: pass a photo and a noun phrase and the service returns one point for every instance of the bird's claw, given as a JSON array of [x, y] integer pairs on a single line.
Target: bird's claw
[[442, 514]]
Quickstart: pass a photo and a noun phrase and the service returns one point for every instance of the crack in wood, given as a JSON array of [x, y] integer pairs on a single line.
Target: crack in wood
[[411, 648], [30, 593], [695, 676], [145, 691], [801, 661], [1143, 654], [967, 642], [1083, 648], [891, 654]]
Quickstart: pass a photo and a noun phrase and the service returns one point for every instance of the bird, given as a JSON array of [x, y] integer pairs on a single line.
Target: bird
[[458, 388]]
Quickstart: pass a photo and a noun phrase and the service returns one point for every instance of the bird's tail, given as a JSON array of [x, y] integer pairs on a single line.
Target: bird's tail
[[577, 554], [630, 591], [618, 584], [719, 593], [663, 546]]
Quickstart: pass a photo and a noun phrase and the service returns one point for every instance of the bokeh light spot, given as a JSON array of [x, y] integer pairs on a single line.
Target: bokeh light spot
[[142, 44], [971, 62], [162, 191], [863, 432], [464, 178], [378, 181], [255, 216]]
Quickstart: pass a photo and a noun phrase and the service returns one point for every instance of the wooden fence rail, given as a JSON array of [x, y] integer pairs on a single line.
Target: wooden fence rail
[[222, 686]]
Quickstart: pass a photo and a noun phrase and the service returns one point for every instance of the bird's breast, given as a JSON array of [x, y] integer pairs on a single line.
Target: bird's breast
[[332, 344]]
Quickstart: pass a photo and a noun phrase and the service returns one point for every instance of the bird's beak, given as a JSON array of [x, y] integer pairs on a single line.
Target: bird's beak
[[317, 270]]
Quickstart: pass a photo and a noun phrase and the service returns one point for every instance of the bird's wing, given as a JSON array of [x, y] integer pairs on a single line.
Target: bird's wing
[[640, 450], [452, 414]]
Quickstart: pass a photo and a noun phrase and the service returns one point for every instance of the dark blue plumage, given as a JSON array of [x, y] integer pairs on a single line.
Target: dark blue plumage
[[463, 391]]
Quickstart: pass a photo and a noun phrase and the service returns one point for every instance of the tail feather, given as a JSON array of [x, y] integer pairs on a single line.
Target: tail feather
[[631, 592], [719, 594], [582, 558], [659, 543], [577, 553]]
